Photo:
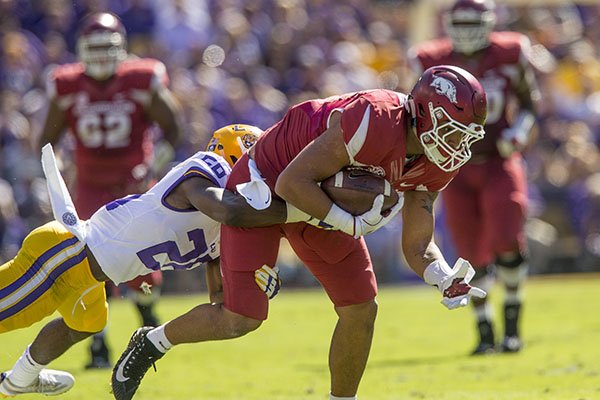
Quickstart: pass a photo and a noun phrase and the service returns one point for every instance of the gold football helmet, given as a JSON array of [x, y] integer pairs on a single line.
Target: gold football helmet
[[231, 141]]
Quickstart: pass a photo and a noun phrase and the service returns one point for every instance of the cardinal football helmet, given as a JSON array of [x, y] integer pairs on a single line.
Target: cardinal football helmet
[[469, 23], [101, 44], [231, 141], [449, 108]]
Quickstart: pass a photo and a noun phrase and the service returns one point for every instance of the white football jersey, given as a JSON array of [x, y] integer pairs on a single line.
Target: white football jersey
[[140, 233]]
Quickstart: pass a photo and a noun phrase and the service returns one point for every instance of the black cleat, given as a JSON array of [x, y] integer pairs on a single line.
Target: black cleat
[[98, 363], [100, 353], [486, 338], [511, 344], [133, 364], [484, 348]]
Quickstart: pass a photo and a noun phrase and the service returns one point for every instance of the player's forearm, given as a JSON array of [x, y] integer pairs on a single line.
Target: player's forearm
[[304, 194], [213, 282], [237, 212], [54, 125], [172, 131], [418, 245], [420, 255]]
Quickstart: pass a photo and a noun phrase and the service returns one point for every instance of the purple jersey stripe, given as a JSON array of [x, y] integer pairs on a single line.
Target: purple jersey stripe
[[191, 172]]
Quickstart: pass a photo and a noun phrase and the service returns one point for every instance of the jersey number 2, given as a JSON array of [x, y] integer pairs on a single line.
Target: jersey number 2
[[174, 258]]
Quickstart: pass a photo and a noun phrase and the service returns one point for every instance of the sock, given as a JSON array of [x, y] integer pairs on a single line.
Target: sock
[[332, 397], [25, 370], [511, 319], [483, 312], [159, 339], [147, 313]]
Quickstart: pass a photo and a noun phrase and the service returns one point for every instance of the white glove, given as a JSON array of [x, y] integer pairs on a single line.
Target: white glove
[[365, 223], [514, 139], [453, 282], [268, 280]]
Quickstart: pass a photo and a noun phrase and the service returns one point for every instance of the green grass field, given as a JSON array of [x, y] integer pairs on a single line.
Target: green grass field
[[419, 352]]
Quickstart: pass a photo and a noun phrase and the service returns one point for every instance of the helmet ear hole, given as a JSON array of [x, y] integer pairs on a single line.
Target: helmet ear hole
[[421, 110]]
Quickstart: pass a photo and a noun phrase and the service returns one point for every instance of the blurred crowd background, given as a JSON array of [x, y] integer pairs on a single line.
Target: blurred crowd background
[[247, 61]]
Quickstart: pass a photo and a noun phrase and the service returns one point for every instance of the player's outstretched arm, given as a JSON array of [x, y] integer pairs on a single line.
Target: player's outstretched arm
[[426, 259], [223, 205]]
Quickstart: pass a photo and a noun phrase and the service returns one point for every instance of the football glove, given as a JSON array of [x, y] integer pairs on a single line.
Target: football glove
[[365, 223], [296, 215], [268, 280], [515, 138], [453, 282]]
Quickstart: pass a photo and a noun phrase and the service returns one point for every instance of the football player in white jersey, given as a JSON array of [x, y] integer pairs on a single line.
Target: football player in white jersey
[[62, 265]]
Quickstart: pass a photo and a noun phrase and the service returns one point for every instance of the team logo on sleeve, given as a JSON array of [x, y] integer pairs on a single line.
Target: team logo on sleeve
[[445, 87], [69, 218]]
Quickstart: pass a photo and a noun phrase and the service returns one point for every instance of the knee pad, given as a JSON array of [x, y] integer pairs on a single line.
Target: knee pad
[[483, 278], [512, 270], [510, 260]]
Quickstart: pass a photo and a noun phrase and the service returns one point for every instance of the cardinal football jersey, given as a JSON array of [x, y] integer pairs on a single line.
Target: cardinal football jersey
[[141, 233], [108, 120], [500, 68], [375, 124]]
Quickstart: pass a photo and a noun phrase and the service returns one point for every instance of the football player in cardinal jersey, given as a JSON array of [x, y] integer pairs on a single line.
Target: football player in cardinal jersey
[[110, 102], [486, 203], [62, 265], [417, 142]]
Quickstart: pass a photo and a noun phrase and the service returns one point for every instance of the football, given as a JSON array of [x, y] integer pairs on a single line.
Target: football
[[354, 189]]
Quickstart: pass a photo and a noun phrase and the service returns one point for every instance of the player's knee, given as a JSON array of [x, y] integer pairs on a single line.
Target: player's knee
[[511, 259], [512, 269], [239, 325], [78, 336], [363, 314], [477, 301], [482, 279]]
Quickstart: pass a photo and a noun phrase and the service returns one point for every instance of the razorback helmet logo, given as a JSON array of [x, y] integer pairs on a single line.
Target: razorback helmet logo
[[444, 87]]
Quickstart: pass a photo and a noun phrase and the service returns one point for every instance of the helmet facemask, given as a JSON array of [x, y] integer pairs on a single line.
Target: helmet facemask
[[448, 143], [469, 29], [101, 52]]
